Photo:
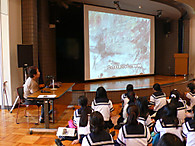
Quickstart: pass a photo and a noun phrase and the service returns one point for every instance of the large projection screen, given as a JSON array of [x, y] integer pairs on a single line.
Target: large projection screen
[[117, 43]]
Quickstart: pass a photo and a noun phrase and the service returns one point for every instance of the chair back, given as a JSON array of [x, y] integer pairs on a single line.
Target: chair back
[[20, 91]]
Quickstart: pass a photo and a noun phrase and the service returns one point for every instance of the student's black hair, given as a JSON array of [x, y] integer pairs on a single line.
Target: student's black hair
[[174, 96], [157, 87], [169, 139], [142, 104], [170, 114], [32, 70], [131, 97], [191, 87], [84, 112], [193, 109], [101, 93], [193, 120], [96, 122], [129, 87], [133, 113]]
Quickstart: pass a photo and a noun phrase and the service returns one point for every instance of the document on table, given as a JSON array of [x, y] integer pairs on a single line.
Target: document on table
[[63, 131], [46, 96]]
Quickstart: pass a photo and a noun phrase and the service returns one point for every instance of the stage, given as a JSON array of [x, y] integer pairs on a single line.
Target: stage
[[138, 83], [142, 85]]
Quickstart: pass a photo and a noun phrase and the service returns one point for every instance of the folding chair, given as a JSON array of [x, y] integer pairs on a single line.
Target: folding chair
[[20, 93]]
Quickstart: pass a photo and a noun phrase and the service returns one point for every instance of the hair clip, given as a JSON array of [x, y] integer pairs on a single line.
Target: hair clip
[[173, 95]]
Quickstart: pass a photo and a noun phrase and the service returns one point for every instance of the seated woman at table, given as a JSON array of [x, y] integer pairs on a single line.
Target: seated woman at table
[[31, 86]]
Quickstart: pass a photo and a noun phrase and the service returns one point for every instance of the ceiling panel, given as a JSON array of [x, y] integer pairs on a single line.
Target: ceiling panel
[[148, 7]]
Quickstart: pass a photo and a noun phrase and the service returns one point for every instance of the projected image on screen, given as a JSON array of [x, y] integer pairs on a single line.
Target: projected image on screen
[[119, 45]]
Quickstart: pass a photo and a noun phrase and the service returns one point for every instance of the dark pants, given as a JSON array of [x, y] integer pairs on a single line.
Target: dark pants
[[38, 103]]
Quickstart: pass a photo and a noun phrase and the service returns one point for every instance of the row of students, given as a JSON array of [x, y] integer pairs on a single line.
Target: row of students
[[136, 133], [102, 104]]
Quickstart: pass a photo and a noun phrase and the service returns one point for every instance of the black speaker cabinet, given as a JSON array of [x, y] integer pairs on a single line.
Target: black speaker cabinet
[[25, 55]]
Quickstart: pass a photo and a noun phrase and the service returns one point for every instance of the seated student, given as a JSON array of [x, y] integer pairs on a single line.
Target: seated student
[[124, 100], [102, 104], [31, 86], [181, 106], [169, 139], [189, 130], [124, 97], [191, 94], [157, 99], [134, 133], [131, 97], [144, 116], [169, 122], [98, 135], [80, 118]]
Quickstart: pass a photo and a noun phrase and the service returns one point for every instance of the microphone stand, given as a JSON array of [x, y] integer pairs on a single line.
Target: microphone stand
[[53, 83]]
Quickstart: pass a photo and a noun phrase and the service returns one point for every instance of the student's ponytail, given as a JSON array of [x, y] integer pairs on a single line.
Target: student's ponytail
[[131, 97], [84, 111], [133, 113], [174, 96], [84, 117]]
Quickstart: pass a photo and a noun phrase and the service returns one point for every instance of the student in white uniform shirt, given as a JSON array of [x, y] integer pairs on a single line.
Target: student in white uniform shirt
[[98, 135], [131, 97], [124, 100], [124, 97], [181, 106], [158, 98], [169, 122], [81, 119], [144, 116], [189, 130], [102, 104], [191, 94], [134, 133]]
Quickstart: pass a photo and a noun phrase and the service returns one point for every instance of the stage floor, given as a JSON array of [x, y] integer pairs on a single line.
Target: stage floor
[[138, 82]]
